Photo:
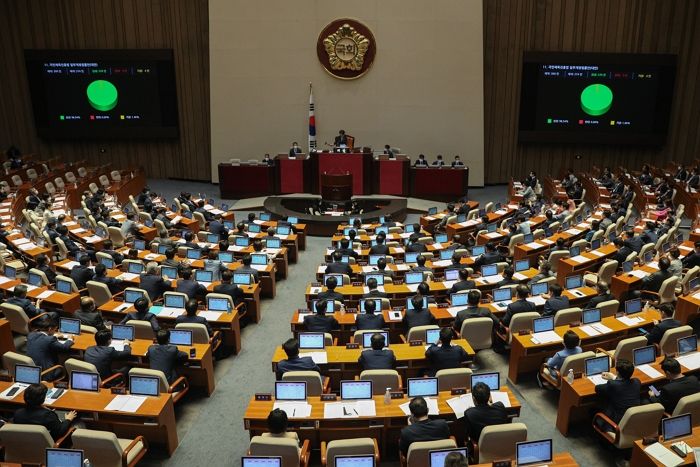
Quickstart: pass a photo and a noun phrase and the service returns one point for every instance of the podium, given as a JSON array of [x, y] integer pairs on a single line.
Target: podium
[[359, 164], [336, 187], [391, 175], [441, 184], [293, 174]]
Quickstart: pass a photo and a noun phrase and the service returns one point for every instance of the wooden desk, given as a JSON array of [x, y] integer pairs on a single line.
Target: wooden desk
[[429, 222], [66, 302], [642, 459], [568, 267], [7, 344], [687, 308], [463, 228], [563, 459], [155, 419]]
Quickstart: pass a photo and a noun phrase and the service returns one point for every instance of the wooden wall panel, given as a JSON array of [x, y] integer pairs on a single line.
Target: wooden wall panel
[[182, 25], [634, 26]]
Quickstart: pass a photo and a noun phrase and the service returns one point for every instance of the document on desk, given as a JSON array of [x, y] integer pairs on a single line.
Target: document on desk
[[453, 310], [630, 321], [369, 269], [352, 409], [691, 361], [538, 300], [547, 241], [294, 409], [70, 265], [127, 276], [20, 389], [443, 263], [259, 267], [664, 455], [545, 337], [500, 396], [398, 249], [492, 279], [4, 279], [210, 315], [117, 345], [316, 290], [590, 330], [317, 357], [412, 287], [574, 231], [128, 404], [650, 371], [51, 396], [402, 267], [460, 404], [639, 273], [597, 379], [395, 315], [519, 277], [533, 245], [597, 253], [579, 259], [432, 407], [448, 284]]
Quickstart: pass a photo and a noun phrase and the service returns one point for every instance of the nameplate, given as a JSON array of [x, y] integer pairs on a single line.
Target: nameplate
[[362, 263], [357, 284], [443, 305], [504, 463], [61, 385], [396, 394], [397, 282], [415, 343], [523, 332], [316, 284], [118, 390], [578, 375], [329, 397], [303, 311], [458, 391], [575, 324], [6, 378], [619, 314], [397, 308], [352, 345], [263, 396]]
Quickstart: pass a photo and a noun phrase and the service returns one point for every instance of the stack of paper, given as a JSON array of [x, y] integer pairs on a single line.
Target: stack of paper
[[534, 245], [597, 379], [318, 357], [354, 409], [432, 407], [547, 241], [412, 287], [461, 403], [579, 259], [493, 234], [691, 361], [492, 279], [630, 321], [664, 455], [398, 249], [448, 284], [538, 300], [442, 263], [117, 345], [294, 409], [639, 273], [210, 315], [597, 253], [171, 312], [127, 276], [545, 337], [650, 371], [45, 294], [453, 310], [126, 403], [519, 277]]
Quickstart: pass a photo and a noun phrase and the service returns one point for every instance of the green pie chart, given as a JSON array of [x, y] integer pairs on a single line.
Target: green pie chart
[[102, 95], [596, 99]]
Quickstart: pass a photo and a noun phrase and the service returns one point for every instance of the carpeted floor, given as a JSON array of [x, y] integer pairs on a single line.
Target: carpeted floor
[[211, 429]]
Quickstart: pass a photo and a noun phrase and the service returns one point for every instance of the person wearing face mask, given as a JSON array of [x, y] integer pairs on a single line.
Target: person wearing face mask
[[457, 163], [294, 150]]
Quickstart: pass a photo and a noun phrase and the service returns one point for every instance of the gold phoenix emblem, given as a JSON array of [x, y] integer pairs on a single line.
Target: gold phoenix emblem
[[346, 48]]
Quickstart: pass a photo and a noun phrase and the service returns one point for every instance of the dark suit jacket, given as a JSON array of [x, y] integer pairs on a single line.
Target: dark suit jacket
[[231, 290], [29, 309], [414, 318], [487, 258], [477, 312], [597, 300], [91, 318], [102, 357], [377, 360], [417, 247], [318, 323], [218, 228], [622, 254], [44, 349], [338, 268], [44, 417], [657, 332], [191, 288], [347, 252], [379, 249], [150, 317], [340, 139], [113, 284], [194, 320], [296, 364], [674, 390], [50, 274], [165, 358], [330, 295], [654, 280], [442, 357], [479, 417], [518, 306], [154, 285], [619, 395], [293, 152], [248, 270], [554, 304], [426, 430], [80, 275], [375, 294], [635, 243], [462, 285], [367, 321], [691, 260]]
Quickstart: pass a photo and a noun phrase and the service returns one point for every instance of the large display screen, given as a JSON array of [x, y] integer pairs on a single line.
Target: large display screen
[[103, 93], [596, 98]]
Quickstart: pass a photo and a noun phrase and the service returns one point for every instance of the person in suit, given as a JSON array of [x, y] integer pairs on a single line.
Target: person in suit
[[457, 163], [141, 313], [19, 298], [129, 226], [34, 413], [464, 283], [667, 322], [420, 162], [681, 173], [164, 356], [277, 422], [200, 209], [153, 283], [634, 242], [694, 179], [678, 386], [294, 362], [390, 152], [81, 273], [606, 221], [294, 150], [623, 250], [420, 427], [445, 355], [438, 162], [337, 266], [113, 284], [368, 319], [189, 286], [377, 358], [620, 392], [603, 295], [414, 245], [216, 226], [319, 322], [212, 263], [420, 265], [544, 272], [330, 293], [345, 250], [653, 281], [381, 268], [380, 248], [418, 316], [89, 315], [102, 355], [490, 256], [190, 316], [267, 160], [372, 290], [571, 347], [693, 259], [341, 140], [508, 273], [521, 305], [42, 264], [555, 301], [170, 259], [228, 288], [483, 414], [108, 247], [473, 310], [246, 268], [43, 346], [189, 241]]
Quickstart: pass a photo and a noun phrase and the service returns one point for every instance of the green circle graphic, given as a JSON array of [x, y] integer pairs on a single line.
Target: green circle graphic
[[596, 99], [102, 95]]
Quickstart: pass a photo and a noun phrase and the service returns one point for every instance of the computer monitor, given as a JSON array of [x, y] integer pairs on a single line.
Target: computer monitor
[[290, 390], [644, 355], [122, 332], [293, 220], [354, 461], [595, 244], [169, 271], [522, 265], [539, 288], [648, 257], [338, 278], [459, 299], [144, 385], [633, 306], [491, 228], [574, 251], [139, 244], [451, 274], [130, 296], [265, 216], [478, 250], [100, 232], [69, 326], [241, 241], [490, 379], [259, 259], [374, 258], [107, 262], [676, 427], [201, 275], [273, 243], [432, 211], [312, 340], [242, 278], [446, 254], [529, 238], [503, 294], [665, 247], [346, 231], [64, 286], [424, 387], [355, 390], [226, 257], [489, 270], [627, 266], [590, 316], [565, 225], [64, 457], [414, 277], [409, 303], [218, 304], [284, 230], [411, 257], [533, 452], [694, 284], [134, 268], [229, 224], [432, 336], [162, 249], [574, 282], [10, 272], [377, 304], [440, 238], [181, 337], [213, 238], [379, 278], [85, 381], [345, 259], [254, 228], [261, 461], [687, 344], [410, 228], [543, 324], [437, 456], [27, 374], [367, 338], [34, 279], [193, 253], [597, 365]]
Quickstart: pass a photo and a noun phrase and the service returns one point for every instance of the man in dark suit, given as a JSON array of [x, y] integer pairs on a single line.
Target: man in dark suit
[[228, 288], [414, 245], [623, 250], [604, 295], [372, 290], [330, 293], [667, 322], [108, 248], [141, 313], [81, 273], [420, 162], [464, 283], [678, 385], [507, 274], [653, 281], [153, 283], [380, 248], [694, 179], [620, 392], [189, 286], [420, 265], [445, 355], [345, 249], [556, 301], [19, 298], [164, 356], [521, 305], [483, 414], [33, 413], [42, 264], [246, 268], [337, 266], [102, 355], [420, 427], [200, 209], [390, 152], [89, 315], [191, 317], [634, 242], [341, 139], [113, 284], [294, 362], [189, 241], [490, 256], [294, 150], [43, 346], [368, 319], [378, 358], [319, 322], [217, 227], [693, 259], [418, 316], [473, 310]]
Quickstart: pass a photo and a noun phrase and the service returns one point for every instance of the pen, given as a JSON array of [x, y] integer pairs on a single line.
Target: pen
[[294, 411], [354, 410]]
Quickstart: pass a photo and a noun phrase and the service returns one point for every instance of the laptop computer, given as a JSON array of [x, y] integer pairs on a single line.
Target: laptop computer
[[414, 277], [312, 340], [69, 326], [633, 306], [193, 253], [574, 282], [377, 304], [522, 265], [424, 387], [27, 374], [437, 456], [502, 295], [452, 274], [284, 230], [489, 270], [202, 275], [574, 251], [64, 457], [242, 278], [140, 244], [107, 262], [411, 256], [533, 452], [687, 344], [144, 385], [490, 379], [644, 355], [597, 365], [259, 259], [440, 238], [241, 241], [168, 271], [181, 337], [130, 296], [122, 332], [275, 243], [478, 250], [595, 244], [290, 390], [432, 211], [409, 303], [134, 268], [432, 336], [84, 381], [354, 461], [218, 304], [173, 301], [676, 427], [543, 324], [367, 338], [254, 228], [539, 288], [355, 390], [590, 316], [459, 299]]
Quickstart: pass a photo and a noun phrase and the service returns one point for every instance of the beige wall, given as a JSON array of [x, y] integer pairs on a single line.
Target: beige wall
[[424, 93]]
